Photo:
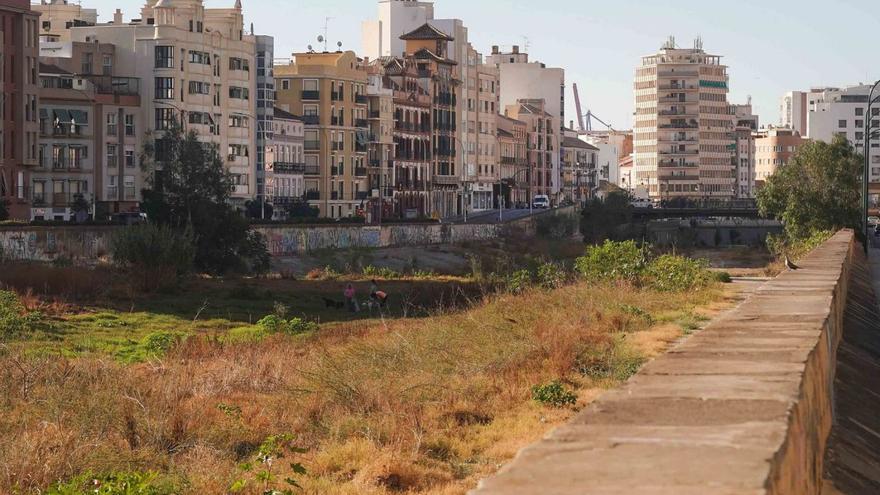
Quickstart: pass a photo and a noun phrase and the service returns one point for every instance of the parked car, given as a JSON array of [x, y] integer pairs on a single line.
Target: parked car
[[642, 203], [541, 202]]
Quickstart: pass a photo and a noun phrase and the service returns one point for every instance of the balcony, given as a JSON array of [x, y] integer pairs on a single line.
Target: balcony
[[311, 119], [447, 180], [677, 73], [360, 172], [312, 145], [360, 147], [361, 99], [410, 185], [678, 113], [361, 195], [676, 164], [334, 96], [116, 86], [374, 114], [669, 178], [679, 125], [678, 87], [311, 170], [361, 123], [334, 195], [313, 195], [311, 95], [289, 168], [678, 152], [375, 163], [337, 121]]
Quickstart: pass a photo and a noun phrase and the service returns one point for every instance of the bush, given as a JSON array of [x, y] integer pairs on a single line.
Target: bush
[[670, 273], [782, 245], [612, 261], [381, 273], [15, 320], [551, 276], [519, 281], [556, 226], [294, 326], [131, 483], [722, 277], [153, 346], [553, 394], [155, 256]]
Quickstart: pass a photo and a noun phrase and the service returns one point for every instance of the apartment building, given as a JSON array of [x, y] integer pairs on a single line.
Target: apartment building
[[381, 152], [512, 142], [482, 106], [747, 124], [57, 17], [285, 161], [684, 133], [774, 148], [196, 65], [91, 132], [381, 37], [614, 146], [265, 108], [843, 112], [580, 176], [521, 79], [19, 59], [795, 107], [542, 136], [328, 90]]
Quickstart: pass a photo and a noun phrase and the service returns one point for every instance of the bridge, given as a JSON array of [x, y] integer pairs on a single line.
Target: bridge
[[645, 214], [780, 396]]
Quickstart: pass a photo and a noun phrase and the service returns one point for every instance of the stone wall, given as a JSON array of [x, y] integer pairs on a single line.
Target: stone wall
[[88, 243], [744, 407]]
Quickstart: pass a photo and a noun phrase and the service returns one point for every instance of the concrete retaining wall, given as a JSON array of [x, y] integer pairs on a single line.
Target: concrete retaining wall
[[88, 243], [744, 407]]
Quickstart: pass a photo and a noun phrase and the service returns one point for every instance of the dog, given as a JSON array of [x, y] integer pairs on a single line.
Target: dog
[[330, 303]]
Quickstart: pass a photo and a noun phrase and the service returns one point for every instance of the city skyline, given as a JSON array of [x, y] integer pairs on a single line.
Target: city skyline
[[763, 44]]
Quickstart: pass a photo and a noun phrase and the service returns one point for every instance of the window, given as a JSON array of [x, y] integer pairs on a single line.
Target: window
[[129, 158], [860, 111], [112, 128], [238, 121], [238, 64], [841, 124], [285, 84], [164, 57], [239, 93], [112, 156], [310, 85], [164, 118], [129, 125], [87, 63], [236, 150], [164, 88], [107, 65], [196, 57], [199, 88], [860, 124]]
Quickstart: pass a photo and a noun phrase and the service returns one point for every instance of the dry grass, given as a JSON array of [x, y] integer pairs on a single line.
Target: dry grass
[[420, 406]]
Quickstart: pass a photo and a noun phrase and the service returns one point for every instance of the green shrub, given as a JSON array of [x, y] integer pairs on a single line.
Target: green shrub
[[670, 273], [519, 281], [780, 245], [551, 276], [612, 261], [156, 257], [265, 470], [153, 346], [15, 320], [556, 225], [129, 483], [553, 394], [722, 277], [617, 362], [276, 324]]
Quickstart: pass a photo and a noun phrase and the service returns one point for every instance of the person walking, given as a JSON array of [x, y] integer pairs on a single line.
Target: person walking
[[351, 299]]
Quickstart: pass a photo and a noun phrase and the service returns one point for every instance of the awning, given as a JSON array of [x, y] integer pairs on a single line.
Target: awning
[[79, 117], [61, 116], [44, 114]]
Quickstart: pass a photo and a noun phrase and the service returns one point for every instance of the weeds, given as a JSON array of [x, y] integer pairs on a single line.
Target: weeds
[[553, 394]]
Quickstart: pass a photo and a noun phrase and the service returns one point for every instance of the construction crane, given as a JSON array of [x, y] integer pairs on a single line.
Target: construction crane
[[585, 120]]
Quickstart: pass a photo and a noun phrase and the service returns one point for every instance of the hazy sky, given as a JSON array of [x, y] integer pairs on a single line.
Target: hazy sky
[[771, 46]]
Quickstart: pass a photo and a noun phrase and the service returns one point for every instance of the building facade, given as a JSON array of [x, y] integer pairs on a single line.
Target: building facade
[[197, 66], [580, 175], [328, 90], [512, 137], [747, 124], [684, 133], [57, 17], [19, 124], [381, 153], [542, 134], [522, 80], [265, 108], [285, 161], [774, 148], [381, 37], [795, 108]]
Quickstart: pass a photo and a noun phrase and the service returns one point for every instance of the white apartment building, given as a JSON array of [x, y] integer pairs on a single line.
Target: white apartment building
[[521, 79], [381, 37], [746, 125], [285, 160], [265, 104], [608, 156], [684, 132], [196, 65], [795, 107], [844, 112]]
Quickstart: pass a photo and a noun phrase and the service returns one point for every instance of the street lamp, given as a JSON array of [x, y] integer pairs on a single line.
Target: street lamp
[[869, 128]]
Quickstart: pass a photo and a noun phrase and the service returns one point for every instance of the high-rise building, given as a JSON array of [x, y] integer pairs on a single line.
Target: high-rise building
[[197, 67], [522, 80], [328, 90], [381, 37], [19, 60], [795, 108], [684, 133], [744, 157]]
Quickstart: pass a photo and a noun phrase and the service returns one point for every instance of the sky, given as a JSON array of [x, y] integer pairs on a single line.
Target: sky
[[770, 46]]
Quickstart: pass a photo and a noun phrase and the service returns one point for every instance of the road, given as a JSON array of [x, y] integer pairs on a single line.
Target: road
[[491, 216]]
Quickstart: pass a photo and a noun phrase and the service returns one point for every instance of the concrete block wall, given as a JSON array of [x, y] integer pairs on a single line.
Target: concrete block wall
[[744, 407]]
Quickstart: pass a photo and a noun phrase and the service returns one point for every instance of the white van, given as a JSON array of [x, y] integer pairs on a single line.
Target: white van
[[541, 202]]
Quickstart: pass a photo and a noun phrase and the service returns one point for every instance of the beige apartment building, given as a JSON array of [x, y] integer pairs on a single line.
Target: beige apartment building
[[579, 168], [57, 17], [197, 67], [774, 148], [483, 103], [329, 91], [19, 59], [683, 135], [512, 137]]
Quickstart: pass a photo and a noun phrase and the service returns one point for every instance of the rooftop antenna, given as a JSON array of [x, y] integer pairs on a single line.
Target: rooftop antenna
[[526, 43], [698, 43], [323, 39], [670, 44]]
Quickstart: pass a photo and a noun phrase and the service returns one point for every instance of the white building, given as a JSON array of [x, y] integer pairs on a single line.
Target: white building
[[285, 160], [607, 158], [57, 17], [795, 108], [381, 37], [521, 79], [196, 66], [746, 125], [265, 104]]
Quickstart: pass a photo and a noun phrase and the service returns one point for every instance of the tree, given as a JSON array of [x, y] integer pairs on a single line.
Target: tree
[[258, 210], [818, 190], [189, 188], [300, 208], [154, 256], [602, 217]]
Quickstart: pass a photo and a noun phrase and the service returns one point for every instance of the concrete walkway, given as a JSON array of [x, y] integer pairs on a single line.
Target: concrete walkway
[[742, 408]]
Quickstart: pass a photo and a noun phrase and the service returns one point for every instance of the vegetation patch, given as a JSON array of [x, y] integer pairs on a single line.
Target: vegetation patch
[[554, 394]]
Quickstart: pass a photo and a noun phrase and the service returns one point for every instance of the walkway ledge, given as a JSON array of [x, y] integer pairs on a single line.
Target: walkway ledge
[[744, 407]]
